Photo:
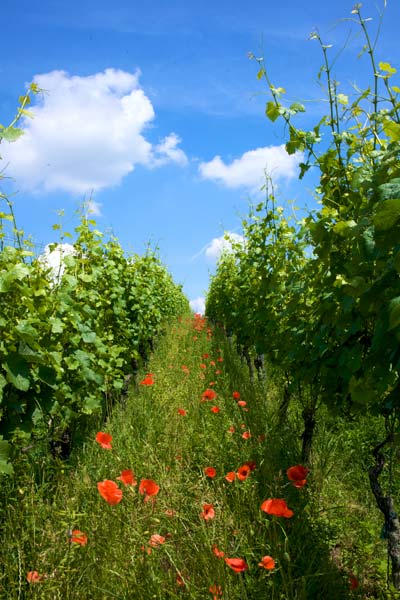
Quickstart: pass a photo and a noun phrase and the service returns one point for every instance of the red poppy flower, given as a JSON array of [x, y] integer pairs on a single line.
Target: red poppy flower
[[231, 476], [179, 580], [277, 507], [215, 410], [203, 366], [353, 581], [185, 369], [237, 564], [251, 464], [243, 472], [299, 484], [78, 537], [212, 383], [208, 512], [267, 562], [205, 355], [127, 477], [242, 403], [218, 553], [182, 411], [298, 475], [212, 363], [149, 488], [231, 429], [156, 540], [210, 472], [170, 512], [216, 590], [220, 359], [246, 435], [208, 395], [110, 491], [148, 380], [218, 372], [33, 577], [104, 439], [236, 395]]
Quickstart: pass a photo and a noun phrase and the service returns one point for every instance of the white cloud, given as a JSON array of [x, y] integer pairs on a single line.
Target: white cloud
[[217, 245], [87, 134], [168, 151], [92, 208], [198, 305], [53, 258], [249, 170]]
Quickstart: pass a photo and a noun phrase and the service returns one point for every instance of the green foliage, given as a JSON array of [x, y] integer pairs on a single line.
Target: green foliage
[[68, 341], [320, 297], [11, 133]]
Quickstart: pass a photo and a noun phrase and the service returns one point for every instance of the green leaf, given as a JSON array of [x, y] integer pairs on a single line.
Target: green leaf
[[26, 331], [26, 113], [4, 215], [57, 326], [390, 190], [392, 130], [304, 167], [387, 215], [48, 375], [394, 313], [368, 243], [272, 111], [356, 286], [260, 74], [24, 100], [86, 278], [17, 370], [277, 91], [293, 146], [11, 134], [89, 337], [296, 107], [91, 405], [344, 228], [17, 272], [29, 354]]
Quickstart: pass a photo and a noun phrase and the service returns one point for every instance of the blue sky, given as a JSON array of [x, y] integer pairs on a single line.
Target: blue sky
[[155, 112]]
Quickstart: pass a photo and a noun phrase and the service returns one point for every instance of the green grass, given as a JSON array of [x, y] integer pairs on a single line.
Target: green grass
[[334, 531]]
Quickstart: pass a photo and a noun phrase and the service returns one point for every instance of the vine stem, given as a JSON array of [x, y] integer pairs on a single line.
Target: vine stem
[[370, 50], [391, 528]]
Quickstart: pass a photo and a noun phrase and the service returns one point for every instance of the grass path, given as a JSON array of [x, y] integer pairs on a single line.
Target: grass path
[[174, 544]]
